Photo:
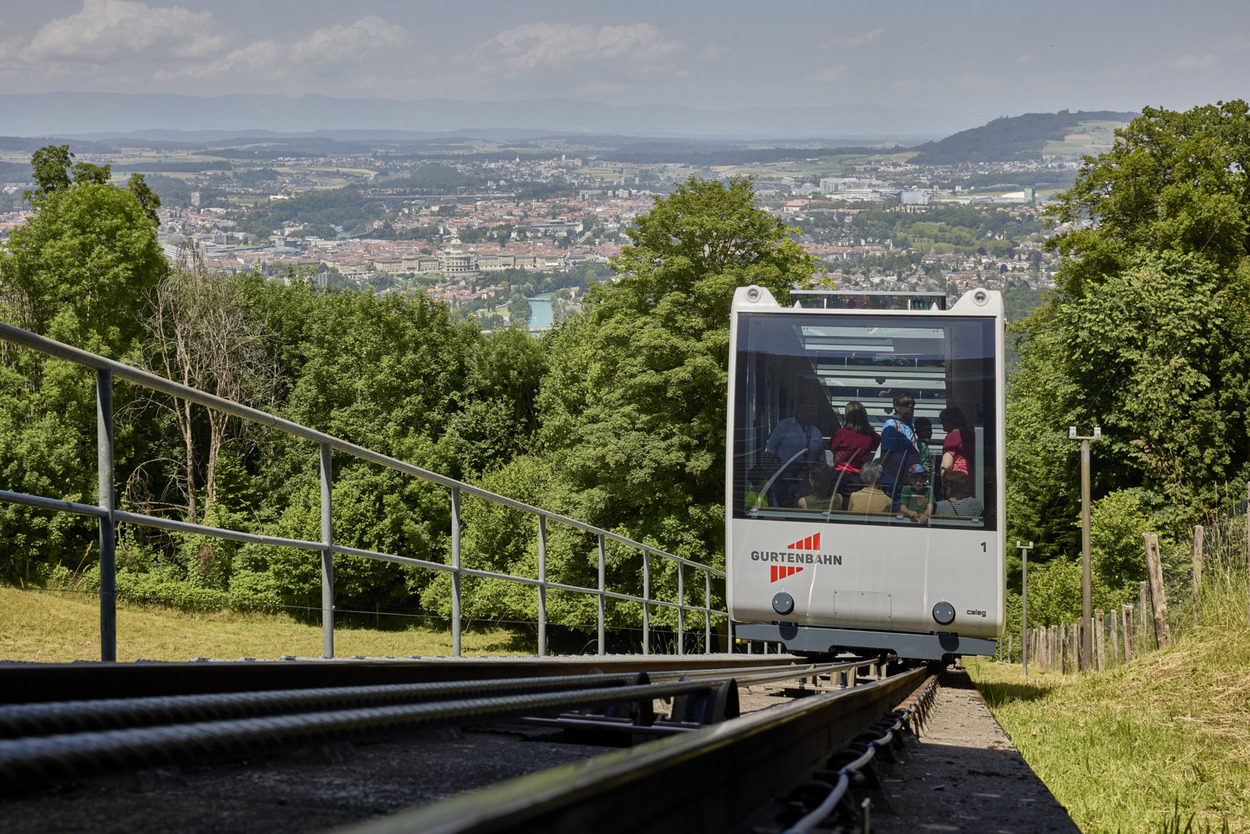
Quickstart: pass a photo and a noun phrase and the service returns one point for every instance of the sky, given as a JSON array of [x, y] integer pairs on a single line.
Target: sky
[[986, 58]]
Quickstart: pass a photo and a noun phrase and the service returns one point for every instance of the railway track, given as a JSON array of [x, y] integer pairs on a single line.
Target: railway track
[[663, 744]]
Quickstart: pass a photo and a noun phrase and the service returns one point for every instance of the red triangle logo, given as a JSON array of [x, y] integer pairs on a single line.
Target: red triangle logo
[[812, 542], [782, 571]]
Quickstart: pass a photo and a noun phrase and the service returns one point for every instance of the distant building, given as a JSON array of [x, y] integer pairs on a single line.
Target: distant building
[[455, 261]]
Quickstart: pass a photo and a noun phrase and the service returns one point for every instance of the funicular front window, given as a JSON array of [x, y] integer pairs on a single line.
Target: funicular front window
[[866, 419]]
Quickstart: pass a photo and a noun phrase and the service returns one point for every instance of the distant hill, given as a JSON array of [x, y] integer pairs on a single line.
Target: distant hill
[[1011, 139], [96, 115]]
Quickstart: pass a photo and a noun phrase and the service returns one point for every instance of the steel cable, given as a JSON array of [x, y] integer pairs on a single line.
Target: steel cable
[[46, 759], [58, 717]]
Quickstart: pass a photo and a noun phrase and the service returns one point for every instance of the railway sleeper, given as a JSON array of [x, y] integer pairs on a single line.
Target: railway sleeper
[[856, 774], [637, 721]]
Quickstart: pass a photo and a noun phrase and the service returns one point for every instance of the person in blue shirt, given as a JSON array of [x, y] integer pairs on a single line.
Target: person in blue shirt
[[899, 451], [795, 443]]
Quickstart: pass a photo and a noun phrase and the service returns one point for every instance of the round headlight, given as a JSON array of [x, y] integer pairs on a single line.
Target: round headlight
[[944, 613], [783, 603]]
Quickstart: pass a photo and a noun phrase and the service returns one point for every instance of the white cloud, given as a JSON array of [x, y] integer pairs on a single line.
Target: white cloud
[[851, 41], [108, 30], [714, 52], [1196, 61], [324, 50], [535, 47], [347, 44], [834, 75]]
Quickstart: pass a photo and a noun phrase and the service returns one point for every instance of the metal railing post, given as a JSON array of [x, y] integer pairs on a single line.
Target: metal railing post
[[603, 590], [108, 524], [327, 555], [109, 515], [681, 609], [455, 572], [646, 597], [542, 586], [707, 612]]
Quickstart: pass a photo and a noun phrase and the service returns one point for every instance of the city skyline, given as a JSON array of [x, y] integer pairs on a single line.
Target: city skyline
[[968, 60]]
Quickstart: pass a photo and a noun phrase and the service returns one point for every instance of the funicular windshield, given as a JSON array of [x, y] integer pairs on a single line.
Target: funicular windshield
[[866, 419]]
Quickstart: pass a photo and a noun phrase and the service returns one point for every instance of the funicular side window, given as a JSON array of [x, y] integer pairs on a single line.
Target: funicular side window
[[816, 434]]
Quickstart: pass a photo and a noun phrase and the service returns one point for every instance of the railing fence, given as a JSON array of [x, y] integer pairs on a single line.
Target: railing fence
[[1208, 587], [108, 516]]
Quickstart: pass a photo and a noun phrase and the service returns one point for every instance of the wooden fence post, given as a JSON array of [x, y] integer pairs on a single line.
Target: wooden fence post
[[1099, 640], [1158, 600], [1114, 621], [1126, 613], [1063, 636], [1198, 535]]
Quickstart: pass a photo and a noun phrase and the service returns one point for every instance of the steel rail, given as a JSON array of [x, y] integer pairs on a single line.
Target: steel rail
[[48, 759], [28, 683], [59, 717], [766, 674], [62, 717], [708, 780], [843, 777]]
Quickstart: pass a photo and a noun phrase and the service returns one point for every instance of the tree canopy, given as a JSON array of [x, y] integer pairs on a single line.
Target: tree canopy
[[1146, 332], [1172, 182], [634, 405]]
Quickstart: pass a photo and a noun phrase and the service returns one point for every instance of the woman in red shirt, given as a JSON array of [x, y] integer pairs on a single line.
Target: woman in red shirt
[[956, 449], [852, 447]]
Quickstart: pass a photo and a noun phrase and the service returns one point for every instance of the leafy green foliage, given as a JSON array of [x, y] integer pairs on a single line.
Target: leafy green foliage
[[634, 405], [1055, 594], [1145, 335], [79, 272], [1173, 182], [343, 208]]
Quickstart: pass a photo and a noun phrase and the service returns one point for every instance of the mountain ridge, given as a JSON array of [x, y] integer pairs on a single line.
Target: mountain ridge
[[86, 114]]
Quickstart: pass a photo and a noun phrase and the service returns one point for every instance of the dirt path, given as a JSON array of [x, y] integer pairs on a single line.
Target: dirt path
[[966, 775]]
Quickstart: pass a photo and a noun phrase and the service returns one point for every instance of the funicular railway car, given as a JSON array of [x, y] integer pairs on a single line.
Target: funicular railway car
[[917, 569]]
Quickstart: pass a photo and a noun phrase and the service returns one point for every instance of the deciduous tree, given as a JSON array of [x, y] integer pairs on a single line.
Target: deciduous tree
[[634, 406], [1146, 333]]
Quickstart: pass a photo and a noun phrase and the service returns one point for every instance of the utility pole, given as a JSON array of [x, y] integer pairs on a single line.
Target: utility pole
[[1087, 607], [1024, 604]]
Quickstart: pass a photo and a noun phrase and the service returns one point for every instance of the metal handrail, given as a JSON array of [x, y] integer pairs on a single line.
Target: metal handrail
[[108, 515]]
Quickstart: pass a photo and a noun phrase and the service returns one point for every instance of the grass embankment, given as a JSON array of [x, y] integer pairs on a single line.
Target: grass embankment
[[59, 627], [1150, 746]]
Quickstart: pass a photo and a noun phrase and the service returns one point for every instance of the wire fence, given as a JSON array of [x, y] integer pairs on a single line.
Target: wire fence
[[1202, 581]]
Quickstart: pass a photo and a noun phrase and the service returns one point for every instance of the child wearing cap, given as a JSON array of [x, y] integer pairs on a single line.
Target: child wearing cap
[[915, 501]]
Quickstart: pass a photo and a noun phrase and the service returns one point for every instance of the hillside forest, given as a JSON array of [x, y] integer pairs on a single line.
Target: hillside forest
[[615, 417]]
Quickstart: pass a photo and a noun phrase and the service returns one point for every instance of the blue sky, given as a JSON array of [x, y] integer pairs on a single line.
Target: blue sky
[[983, 57]]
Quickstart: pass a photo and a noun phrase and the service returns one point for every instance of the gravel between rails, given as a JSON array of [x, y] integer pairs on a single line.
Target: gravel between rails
[[966, 775]]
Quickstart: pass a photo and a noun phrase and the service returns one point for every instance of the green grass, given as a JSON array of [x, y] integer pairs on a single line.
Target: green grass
[[59, 627], [1159, 744]]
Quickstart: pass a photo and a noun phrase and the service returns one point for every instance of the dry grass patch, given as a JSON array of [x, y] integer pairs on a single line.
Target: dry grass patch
[[60, 627], [1163, 739]]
